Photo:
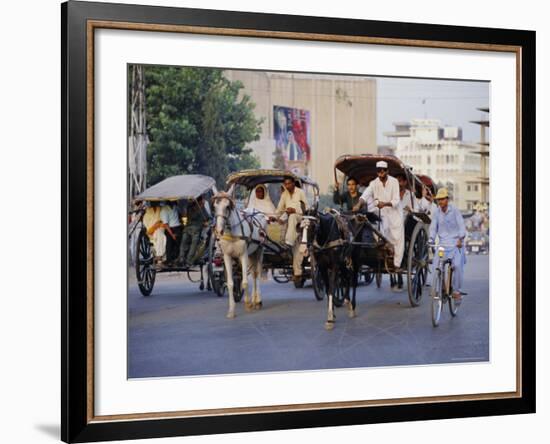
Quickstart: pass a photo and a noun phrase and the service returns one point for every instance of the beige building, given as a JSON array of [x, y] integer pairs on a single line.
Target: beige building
[[439, 151], [342, 112], [483, 150]]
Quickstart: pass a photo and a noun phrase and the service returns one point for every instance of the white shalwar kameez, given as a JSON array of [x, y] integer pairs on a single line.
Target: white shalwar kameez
[[392, 219], [405, 202]]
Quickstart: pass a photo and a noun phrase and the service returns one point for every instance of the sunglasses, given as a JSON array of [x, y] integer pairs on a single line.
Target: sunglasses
[[381, 169]]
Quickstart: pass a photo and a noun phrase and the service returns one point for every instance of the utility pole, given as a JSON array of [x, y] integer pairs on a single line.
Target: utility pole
[[137, 143]]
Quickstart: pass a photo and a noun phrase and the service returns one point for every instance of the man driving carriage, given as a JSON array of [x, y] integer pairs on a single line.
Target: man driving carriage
[[292, 205], [385, 192]]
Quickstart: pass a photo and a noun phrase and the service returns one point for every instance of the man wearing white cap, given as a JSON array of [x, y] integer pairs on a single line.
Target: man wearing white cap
[[385, 192]]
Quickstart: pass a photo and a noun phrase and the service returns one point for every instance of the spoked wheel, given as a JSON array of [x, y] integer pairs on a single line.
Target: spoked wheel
[[369, 277], [378, 276], [417, 263], [281, 275], [453, 307], [215, 277], [145, 270], [191, 279], [319, 288], [437, 298], [238, 292]]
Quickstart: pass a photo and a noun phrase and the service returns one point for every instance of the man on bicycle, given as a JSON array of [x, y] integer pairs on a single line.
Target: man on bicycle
[[448, 225]]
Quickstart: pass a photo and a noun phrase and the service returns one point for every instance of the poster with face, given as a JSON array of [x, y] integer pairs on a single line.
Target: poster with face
[[292, 137]]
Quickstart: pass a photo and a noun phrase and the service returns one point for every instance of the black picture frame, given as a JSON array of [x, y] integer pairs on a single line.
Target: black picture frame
[[77, 424]]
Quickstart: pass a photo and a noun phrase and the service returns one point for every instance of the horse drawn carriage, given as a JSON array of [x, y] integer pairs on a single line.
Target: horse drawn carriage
[[150, 235], [277, 256], [373, 251]]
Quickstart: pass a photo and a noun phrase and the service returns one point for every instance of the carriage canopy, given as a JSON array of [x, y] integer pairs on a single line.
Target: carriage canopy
[[362, 167], [252, 178], [273, 179], [188, 186]]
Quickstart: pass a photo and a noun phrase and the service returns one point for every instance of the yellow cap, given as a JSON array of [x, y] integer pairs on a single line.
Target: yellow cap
[[442, 193]]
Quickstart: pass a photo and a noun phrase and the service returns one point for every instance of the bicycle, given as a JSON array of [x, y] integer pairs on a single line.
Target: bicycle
[[442, 289]]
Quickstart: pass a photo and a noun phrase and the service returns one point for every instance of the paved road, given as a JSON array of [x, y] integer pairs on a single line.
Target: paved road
[[180, 330]]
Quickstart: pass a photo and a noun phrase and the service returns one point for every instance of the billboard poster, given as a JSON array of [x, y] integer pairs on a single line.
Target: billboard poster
[[292, 135]]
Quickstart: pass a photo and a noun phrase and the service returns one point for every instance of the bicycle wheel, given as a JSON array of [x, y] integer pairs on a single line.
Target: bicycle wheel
[[453, 307], [437, 298]]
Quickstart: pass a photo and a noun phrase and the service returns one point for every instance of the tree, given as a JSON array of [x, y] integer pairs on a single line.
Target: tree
[[198, 122]]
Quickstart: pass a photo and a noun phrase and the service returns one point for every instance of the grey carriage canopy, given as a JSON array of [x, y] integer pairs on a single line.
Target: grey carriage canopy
[[187, 186]]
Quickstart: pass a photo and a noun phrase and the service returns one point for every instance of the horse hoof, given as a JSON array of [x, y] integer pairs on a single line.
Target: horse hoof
[[329, 326], [230, 315], [352, 314], [248, 307], [258, 306]]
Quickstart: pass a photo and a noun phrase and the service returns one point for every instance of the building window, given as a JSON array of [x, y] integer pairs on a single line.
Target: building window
[[476, 188], [429, 159], [469, 188]]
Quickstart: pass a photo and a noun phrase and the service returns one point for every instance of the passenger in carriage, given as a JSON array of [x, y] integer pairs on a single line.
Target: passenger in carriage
[[408, 202], [349, 199], [426, 204], [197, 218], [171, 223], [155, 231], [261, 201]]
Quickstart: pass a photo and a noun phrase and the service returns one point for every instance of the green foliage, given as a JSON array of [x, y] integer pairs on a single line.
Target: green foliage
[[197, 123]]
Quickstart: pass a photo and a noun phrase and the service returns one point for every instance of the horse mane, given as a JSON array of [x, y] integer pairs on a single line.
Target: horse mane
[[328, 229], [224, 195]]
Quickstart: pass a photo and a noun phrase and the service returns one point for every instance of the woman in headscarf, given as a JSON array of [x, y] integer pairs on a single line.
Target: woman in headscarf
[[260, 201]]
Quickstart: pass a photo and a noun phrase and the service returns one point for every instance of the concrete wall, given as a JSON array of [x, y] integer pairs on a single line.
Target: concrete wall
[[342, 111]]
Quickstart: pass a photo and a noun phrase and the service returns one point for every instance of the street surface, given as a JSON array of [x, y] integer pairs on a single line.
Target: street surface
[[180, 330]]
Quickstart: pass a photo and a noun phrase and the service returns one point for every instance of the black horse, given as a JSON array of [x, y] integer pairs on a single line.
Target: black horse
[[367, 248], [330, 250]]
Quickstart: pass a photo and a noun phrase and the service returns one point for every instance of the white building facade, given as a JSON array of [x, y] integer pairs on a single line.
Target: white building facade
[[439, 151]]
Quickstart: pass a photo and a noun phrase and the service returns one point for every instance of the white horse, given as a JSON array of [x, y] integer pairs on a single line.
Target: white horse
[[240, 236]]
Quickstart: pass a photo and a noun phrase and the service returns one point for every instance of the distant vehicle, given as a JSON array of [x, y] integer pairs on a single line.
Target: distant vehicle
[[477, 242]]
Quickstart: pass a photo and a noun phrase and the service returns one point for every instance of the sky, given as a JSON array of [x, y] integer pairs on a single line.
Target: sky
[[451, 101]]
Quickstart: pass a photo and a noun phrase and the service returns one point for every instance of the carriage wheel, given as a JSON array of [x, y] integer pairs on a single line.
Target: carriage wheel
[[369, 277], [378, 276], [319, 289], [216, 278], [281, 275], [145, 270], [417, 263], [238, 292]]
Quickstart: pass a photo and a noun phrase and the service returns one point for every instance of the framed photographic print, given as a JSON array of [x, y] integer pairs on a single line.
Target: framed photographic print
[[275, 221]]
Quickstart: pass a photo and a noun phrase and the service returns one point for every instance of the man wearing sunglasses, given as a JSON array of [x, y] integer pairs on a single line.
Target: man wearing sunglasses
[[385, 192]]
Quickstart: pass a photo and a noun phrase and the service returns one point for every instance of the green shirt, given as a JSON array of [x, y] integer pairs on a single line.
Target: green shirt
[[195, 216], [346, 200]]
